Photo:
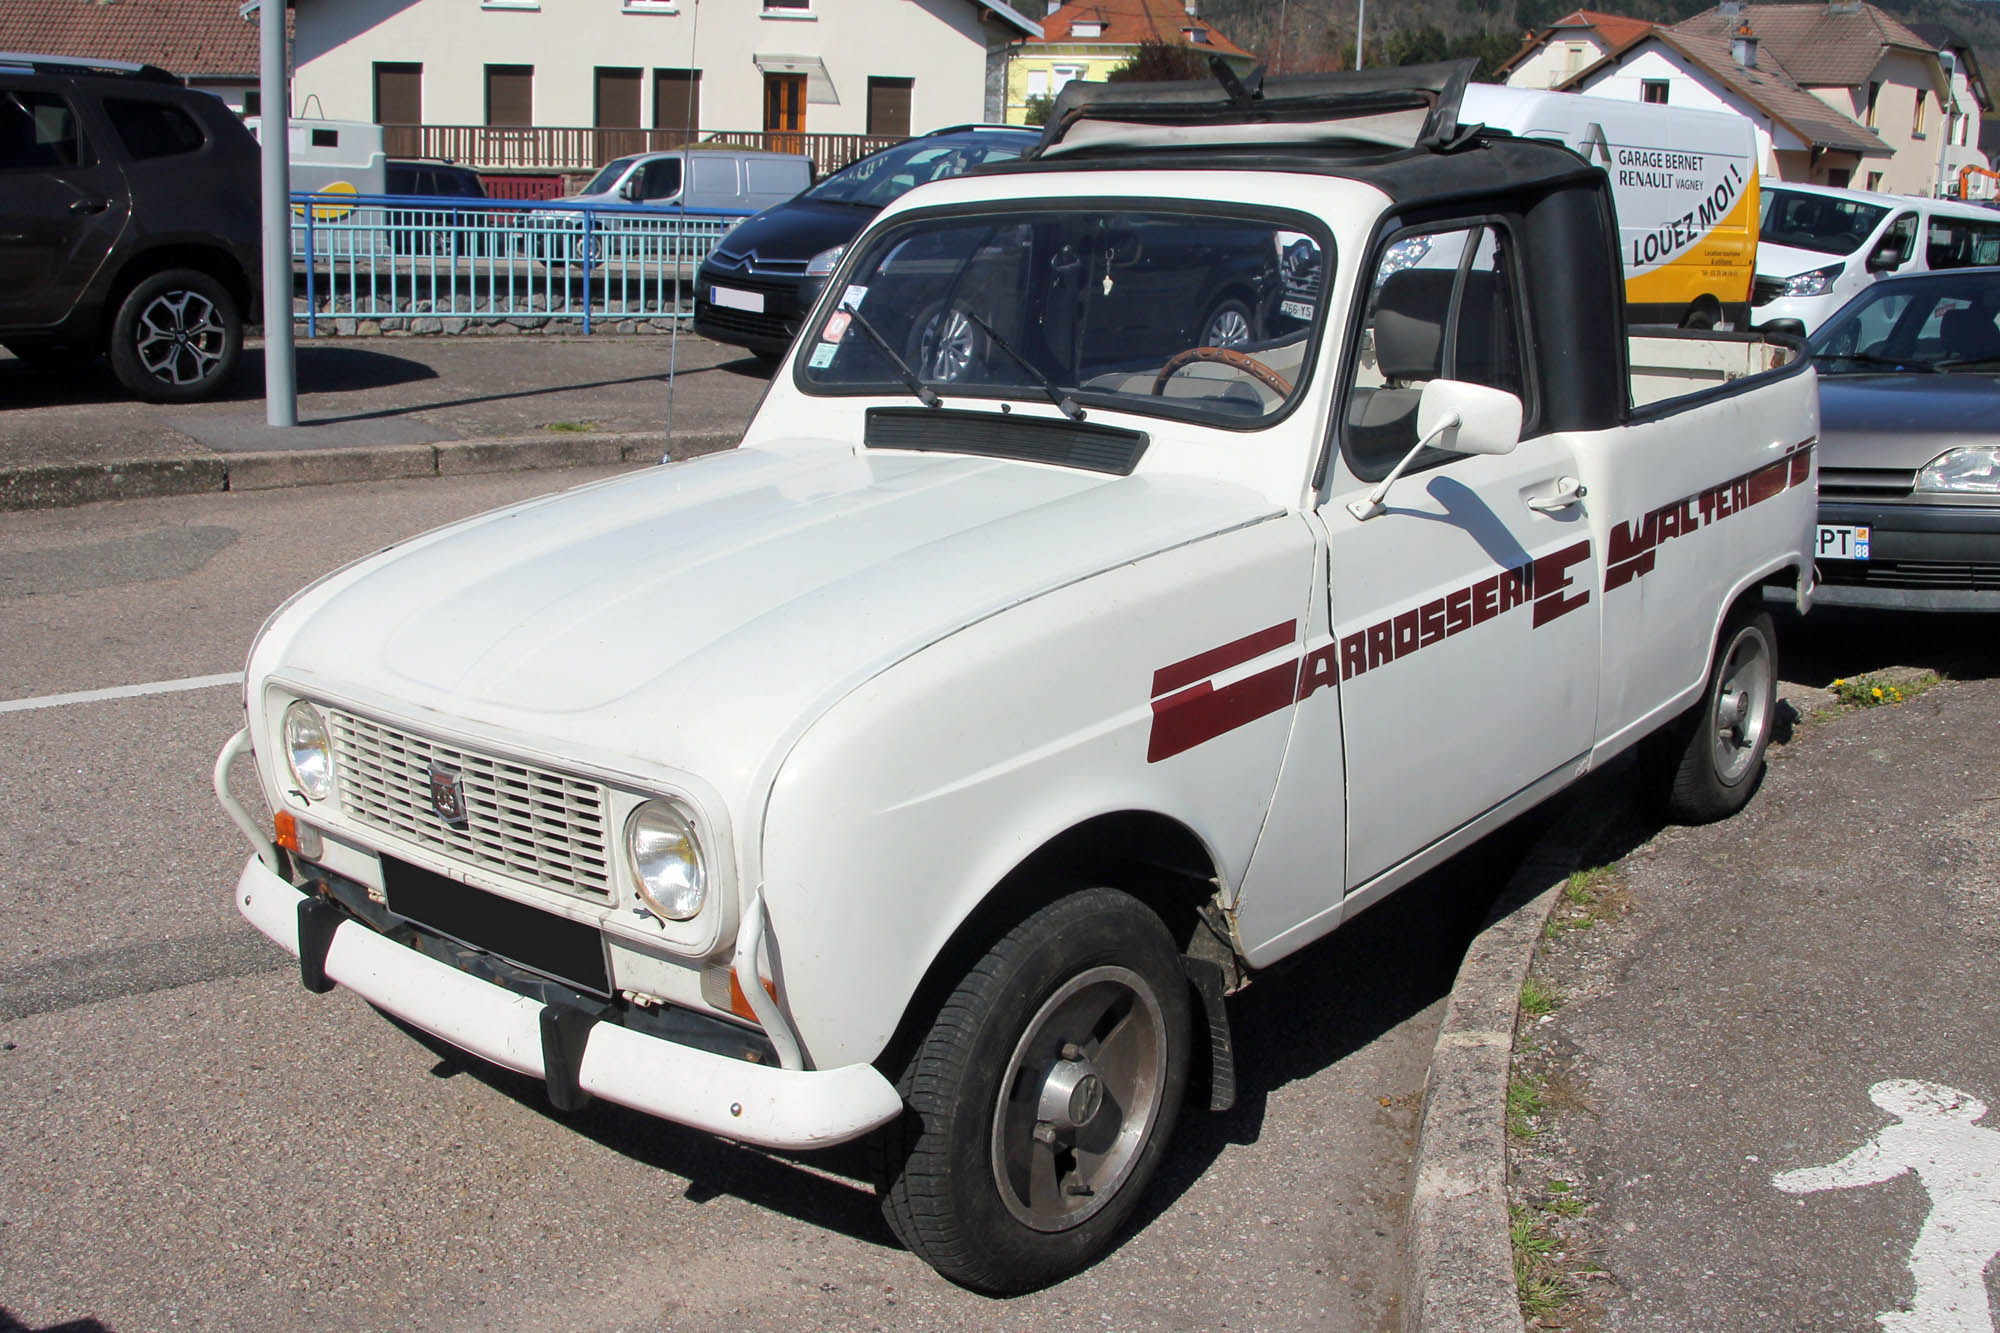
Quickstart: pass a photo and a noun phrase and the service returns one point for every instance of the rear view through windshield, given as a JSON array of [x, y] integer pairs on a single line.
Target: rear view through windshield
[[1817, 222], [1170, 314]]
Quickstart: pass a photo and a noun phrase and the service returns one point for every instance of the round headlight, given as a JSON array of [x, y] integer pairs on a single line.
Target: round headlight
[[665, 857], [308, 750]]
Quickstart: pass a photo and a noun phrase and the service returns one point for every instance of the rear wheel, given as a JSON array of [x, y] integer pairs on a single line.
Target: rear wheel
[[176, 337], [1042, 1097], [1706, 766], [1228, 325]]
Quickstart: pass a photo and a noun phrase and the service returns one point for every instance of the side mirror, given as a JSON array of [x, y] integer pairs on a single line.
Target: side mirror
[[1456, 416], [630, 189], [1885, 257], [1468, 418]]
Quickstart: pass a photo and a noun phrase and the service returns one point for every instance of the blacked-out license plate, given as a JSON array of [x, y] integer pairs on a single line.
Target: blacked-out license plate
[[540, 941]]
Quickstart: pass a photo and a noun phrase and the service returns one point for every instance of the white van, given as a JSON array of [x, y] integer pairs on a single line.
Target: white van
[[735, 180], [1684, 183], [1818, 246], [333, 156]]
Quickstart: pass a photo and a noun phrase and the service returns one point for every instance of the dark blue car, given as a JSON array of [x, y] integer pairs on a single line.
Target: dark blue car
[[763, 276]]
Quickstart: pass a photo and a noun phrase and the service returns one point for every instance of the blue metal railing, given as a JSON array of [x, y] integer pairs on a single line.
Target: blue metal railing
[[405, 259]]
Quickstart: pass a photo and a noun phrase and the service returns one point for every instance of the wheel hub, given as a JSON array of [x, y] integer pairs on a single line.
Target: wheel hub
[[1073, 1093]]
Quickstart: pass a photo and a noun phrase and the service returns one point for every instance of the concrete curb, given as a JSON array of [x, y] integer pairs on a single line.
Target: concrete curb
[[1461, 1265], [60, 485]]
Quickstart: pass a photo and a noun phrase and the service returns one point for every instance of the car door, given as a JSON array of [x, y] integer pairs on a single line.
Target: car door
[[62, 207], [1463, 615]]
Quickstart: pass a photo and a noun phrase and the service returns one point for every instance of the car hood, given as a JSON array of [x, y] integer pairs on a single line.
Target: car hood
[[797, 230], [1904, 420], [1783, 261], [694, 616]]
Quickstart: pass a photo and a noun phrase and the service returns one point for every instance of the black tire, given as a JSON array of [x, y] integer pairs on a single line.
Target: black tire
[[1070, 1035], [1702, 316], [1706, 765], [1230, 324], [176, 337]]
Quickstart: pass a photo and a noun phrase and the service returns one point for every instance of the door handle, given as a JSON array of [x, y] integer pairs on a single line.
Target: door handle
[[86, 206], [1567, 492]]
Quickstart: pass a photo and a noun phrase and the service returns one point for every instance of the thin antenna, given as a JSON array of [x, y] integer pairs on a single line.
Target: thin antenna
[[674, 333]]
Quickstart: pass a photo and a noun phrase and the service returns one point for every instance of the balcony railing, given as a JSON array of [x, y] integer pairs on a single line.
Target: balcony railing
[[580, 148]]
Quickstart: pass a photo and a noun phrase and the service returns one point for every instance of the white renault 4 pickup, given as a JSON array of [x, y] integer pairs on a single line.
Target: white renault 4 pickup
[[1151, 554]]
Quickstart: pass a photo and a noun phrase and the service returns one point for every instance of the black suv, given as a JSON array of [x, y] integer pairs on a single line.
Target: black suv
[[128, 223]]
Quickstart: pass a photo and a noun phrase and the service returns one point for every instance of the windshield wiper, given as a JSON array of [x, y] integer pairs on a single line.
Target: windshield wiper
[[1064, 403], [925, 394], [1871, 359], [1968, 363]]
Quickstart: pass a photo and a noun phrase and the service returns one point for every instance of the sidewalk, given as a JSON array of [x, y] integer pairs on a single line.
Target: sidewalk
[[1808, 988], [372, 408]]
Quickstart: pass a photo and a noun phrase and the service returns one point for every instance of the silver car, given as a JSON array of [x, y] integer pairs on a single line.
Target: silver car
[[1909, 508]]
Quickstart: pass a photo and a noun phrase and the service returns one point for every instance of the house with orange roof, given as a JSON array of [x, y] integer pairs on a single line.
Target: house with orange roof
[[206, 42], [1087, 39], [1579, 38], [1841, 92]]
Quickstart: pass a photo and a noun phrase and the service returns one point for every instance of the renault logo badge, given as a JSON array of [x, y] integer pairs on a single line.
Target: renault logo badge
[[447, 795]]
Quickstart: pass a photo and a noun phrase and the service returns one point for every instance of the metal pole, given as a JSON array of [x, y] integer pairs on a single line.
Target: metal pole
[[1360, 29], [281, 394], [1950, 64]]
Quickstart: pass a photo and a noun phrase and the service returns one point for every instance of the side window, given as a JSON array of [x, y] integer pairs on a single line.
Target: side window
[[1902, 234], [1962, 243], [37, 131], [662, 179], [1442, 305], [153, 129]]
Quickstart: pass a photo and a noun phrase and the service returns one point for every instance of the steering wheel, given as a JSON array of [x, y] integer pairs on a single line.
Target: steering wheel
[[1227, 356]]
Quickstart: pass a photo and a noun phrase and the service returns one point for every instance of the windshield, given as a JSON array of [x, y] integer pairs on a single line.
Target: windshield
[[602, 182], [1819, 222], [1182, 314], [881, 179], [1942, 323]]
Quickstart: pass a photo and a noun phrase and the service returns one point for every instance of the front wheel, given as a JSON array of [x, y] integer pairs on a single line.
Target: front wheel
[[176, 337], [1707, 765], [1042, 1097]]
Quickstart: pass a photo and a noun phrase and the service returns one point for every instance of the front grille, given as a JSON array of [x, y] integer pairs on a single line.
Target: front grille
[[1918, 574], [769, 328], [1866, 483], [1763, 291], [530, 823]]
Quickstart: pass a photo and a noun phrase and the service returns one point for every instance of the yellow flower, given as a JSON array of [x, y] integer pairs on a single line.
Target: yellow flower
[[1838, 681], [1877, 691]]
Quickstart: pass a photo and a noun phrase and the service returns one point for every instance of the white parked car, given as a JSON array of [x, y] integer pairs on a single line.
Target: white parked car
[[931, 766]]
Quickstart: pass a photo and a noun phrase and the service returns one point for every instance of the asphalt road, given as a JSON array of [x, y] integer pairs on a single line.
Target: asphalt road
[[193, 1139]]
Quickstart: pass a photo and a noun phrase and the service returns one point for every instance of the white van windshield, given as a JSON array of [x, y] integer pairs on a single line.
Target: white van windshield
[[602, 182], [1817, 221]]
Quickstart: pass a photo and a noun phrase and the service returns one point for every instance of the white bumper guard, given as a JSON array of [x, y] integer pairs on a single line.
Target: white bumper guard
[[566, 1047]]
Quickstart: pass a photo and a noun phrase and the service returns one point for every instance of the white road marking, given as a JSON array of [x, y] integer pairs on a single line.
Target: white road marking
[[1959, 1165], [120, 692]]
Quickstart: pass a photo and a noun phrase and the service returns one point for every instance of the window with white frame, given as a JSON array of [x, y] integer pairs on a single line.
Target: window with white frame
[[794, 9], [1062, 74]]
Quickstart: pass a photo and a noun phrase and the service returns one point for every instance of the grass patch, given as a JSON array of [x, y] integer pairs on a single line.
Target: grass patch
[[1878, 691], [570, 427], [1588, 897], [1543, 1283], [1538, 997], [1524, 1104]]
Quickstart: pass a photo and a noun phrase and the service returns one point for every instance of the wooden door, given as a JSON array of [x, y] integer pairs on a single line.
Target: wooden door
[[785, 112], [889, 106]]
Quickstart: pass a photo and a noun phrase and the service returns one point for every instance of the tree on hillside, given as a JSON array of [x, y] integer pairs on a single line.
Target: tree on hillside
[[1156, 60]]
